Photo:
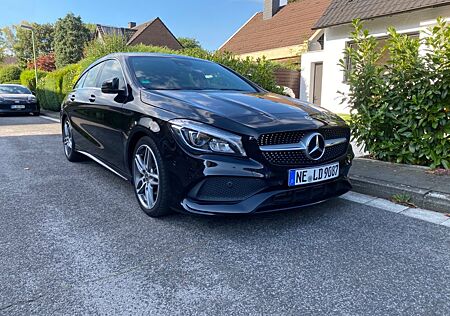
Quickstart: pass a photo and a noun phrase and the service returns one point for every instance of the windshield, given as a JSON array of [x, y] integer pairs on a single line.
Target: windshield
[[13, 90], [174, 73]]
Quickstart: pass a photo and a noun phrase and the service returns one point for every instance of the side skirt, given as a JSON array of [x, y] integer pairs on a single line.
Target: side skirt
[[101, 163]]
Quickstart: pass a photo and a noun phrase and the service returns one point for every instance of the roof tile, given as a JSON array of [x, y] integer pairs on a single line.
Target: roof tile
[[290, 26], [345, 11]]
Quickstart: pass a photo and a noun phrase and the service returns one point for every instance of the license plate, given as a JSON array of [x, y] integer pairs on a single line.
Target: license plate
[[17, 107], [313, 175]]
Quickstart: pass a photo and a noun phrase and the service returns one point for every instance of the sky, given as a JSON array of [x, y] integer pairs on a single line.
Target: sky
[[211, 22]]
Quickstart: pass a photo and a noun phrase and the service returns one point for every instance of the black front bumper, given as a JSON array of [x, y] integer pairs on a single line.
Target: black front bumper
[[273, 200], [29, 108], [209, 184]]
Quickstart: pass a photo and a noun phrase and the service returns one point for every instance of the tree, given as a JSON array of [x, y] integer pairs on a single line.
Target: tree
[[188, 42], [7, 39], [2, 47], [22, 45], [70, 37]]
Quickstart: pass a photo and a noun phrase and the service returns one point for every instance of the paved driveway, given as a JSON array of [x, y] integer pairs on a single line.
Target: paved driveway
[[74, 241]]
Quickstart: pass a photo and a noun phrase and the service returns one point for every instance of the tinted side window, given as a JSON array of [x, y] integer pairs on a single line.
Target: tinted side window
[[111, 70], [91, 77], [80, 81]]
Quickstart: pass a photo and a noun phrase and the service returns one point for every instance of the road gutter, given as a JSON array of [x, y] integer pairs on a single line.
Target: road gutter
[[418, 213]]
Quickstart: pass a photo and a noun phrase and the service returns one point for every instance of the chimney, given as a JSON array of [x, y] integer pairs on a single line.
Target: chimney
[[131, 25], [270, 8]]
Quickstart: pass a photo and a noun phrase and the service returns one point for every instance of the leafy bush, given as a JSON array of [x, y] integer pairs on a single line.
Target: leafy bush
[[44, 62], [9, 73], [27, 78], [52, 89], [400, 111]]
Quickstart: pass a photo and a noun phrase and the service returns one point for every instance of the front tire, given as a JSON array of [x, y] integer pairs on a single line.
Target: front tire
[[68, 142], [150, 179]]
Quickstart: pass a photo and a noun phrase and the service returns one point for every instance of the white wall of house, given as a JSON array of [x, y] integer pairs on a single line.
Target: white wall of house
[[335, 42]]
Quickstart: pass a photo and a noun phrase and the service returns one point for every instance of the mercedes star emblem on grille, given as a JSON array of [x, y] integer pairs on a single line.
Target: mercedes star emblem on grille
[[315, 146]]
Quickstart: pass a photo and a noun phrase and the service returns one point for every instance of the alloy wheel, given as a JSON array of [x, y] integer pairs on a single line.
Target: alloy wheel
[[146, 176], [67, 138]]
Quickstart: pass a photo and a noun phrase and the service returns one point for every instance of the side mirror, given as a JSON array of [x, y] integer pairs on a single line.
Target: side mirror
[[111, 86], [33, 93]]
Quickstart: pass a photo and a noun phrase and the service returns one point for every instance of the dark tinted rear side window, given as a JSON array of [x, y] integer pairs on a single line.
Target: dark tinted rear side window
[[80, 82], [91, 77]]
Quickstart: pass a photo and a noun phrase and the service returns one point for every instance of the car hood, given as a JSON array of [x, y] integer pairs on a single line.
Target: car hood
[[257, 111]]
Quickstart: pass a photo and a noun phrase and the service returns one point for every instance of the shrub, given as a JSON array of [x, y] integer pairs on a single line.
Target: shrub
[[52, 89], [27, 78], [400, 111], [9, 73], [44, 62]]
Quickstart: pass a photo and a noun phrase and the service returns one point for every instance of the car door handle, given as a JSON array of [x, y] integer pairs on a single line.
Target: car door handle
[[92, 98]]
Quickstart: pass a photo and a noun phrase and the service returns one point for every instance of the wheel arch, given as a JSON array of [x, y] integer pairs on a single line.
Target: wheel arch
[[133, 139]]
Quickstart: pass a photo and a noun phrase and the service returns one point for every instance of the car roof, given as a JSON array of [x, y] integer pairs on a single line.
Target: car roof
[[12, 85], [138, 54]]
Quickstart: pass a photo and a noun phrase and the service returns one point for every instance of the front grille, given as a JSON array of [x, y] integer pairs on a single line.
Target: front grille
[[333, 133], [281, 138], [286, 158], [299, 158]]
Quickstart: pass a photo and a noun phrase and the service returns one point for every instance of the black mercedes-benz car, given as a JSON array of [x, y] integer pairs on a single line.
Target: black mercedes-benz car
[[16, 98], [194, 135]]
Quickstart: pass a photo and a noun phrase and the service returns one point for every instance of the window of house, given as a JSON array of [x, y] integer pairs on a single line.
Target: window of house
[[321, 41]]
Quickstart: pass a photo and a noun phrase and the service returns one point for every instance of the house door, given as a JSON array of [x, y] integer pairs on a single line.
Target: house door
[[317, 87]]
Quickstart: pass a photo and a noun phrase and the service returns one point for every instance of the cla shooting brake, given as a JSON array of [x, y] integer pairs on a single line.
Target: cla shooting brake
[[193, 135]]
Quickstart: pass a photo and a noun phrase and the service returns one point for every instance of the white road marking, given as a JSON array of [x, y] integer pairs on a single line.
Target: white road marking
[[425, 215], [49, 118]]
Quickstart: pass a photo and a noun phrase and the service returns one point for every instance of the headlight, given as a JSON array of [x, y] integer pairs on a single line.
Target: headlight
[[205, 138], [31, 99]]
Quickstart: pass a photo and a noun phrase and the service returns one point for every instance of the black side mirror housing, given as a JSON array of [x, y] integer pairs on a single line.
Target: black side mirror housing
[[111, 86]]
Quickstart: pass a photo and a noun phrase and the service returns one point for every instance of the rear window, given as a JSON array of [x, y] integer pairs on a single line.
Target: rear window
[[4, 89]]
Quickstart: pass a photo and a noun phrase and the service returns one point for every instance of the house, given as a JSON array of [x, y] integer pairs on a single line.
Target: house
[[153, 32], [280, 33], [9, 60], [322, 79]]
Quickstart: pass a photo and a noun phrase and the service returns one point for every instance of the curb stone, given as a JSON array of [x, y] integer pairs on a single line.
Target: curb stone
[[421, 214], [429, 199]]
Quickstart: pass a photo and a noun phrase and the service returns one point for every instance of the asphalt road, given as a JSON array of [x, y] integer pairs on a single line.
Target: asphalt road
[[74, 241]]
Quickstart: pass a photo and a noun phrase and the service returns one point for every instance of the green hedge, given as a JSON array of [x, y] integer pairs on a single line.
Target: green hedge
[[400, 111], [52, 89], [10, 74], [27, 78]]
